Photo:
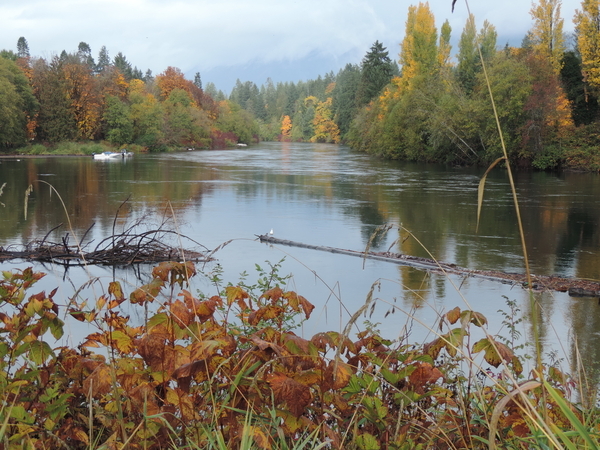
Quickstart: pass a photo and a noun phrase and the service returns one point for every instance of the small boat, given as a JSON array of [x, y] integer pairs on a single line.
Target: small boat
[[113, 155]]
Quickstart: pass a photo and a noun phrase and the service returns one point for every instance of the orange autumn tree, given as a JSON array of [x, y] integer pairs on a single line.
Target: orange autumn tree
[[171, 79], [286, 128], [85, 101]]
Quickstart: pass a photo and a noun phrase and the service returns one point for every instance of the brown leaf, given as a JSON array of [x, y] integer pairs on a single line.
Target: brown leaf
[[265, 313], [434, 347], [260, 438], [184, 374], [287, 390], [266, 345], [174, 272], [452, 316], [295, 344], [99, 381], [114, 288], [144, 397], [338, 374], [148, 292], [156, 353], [273, 294], [181, 313], [423, 375], [307, 306]]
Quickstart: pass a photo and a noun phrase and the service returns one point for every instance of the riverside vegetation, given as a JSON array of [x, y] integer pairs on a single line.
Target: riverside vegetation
[[228, 371], [433, 107]]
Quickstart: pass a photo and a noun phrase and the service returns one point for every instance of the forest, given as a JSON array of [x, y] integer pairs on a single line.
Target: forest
[[431, 105]]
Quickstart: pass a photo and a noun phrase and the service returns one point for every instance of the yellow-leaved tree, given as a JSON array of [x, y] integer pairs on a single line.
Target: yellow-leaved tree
[[547, 32], [419, 51], [286, 128], [325, 128], [587, 29]]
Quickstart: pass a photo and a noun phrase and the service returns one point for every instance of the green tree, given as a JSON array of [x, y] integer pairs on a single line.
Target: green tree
[[56, 118], [469, 60], [547, 32], [22, 48], [17, 104], [119, 124], [234, 119], [444, 47], [124, 66], [198, 80], [148, 118], [85, 54], [344, 104], [377, 70], [103, 59], [584, 104]]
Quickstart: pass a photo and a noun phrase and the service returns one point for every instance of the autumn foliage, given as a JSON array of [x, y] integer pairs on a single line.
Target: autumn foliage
[[230, 366]]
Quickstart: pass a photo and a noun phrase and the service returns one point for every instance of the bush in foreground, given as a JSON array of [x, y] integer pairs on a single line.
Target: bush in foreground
[[228, 371]]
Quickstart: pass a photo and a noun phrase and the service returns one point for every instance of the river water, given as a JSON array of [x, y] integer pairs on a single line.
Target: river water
[[327, 195]]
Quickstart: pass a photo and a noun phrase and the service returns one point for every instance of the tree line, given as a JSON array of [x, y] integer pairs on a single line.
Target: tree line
[[436, 107], [70, 97], [432, 106]]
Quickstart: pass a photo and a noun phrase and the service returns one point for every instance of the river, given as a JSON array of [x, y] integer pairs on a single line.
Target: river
[[328, 195]]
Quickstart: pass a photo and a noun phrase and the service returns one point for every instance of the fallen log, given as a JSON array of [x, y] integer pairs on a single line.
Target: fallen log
[[575, 287]]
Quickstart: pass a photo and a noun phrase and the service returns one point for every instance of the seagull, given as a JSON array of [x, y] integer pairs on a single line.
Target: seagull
[[271, 232]]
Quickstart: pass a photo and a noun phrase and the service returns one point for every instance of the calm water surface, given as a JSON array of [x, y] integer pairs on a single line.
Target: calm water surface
[[328, 195]]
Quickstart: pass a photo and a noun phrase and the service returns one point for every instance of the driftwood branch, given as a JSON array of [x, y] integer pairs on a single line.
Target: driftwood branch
[[125, 248], [574, 286]]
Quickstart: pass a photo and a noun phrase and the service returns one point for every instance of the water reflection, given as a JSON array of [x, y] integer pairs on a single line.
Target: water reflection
[[327, 195]]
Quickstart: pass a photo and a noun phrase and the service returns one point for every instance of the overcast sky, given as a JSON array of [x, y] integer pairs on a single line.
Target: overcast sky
[[246, 39]]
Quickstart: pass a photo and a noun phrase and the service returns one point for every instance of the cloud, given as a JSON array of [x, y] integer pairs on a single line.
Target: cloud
[[203, 35]]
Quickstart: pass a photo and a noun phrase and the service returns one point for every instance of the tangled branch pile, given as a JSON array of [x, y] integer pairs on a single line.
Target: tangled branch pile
[[128, 247]]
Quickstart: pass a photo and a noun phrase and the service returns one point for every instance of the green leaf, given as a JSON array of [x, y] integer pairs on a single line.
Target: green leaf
[[56, 327], [39, 352], [367, 441], [121, 341], [495, 352], [157, 319], [575, 422]]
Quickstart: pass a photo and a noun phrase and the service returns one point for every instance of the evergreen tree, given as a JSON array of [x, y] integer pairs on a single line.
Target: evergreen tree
[[584, 104], [211, 89], [345, 96], [148, 78], [377, 70], [136, 74], [121, 63], [22, 48], [103, 59], [198, 80]]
